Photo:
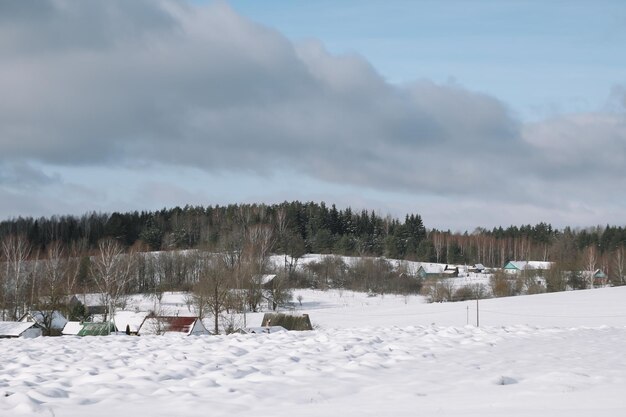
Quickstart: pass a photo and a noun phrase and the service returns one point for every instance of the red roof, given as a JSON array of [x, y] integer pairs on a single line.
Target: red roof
[[179, 324]]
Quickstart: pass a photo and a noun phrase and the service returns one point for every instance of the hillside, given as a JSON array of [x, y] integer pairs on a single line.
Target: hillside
[[542, 355]]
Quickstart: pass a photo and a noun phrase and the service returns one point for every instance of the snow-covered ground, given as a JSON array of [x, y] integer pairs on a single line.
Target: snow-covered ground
[[543, 355]]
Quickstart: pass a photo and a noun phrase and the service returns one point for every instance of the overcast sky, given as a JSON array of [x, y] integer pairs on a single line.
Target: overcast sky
[[469, 113]]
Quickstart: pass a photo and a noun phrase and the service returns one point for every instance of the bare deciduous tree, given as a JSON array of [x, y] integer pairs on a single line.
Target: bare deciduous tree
[[110, 270], [620, 265], [212, 292], [438, 243], [590, 259], [279, 292], [51, 281], [15, 249]]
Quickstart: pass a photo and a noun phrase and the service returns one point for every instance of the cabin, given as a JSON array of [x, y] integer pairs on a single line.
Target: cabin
[[19, 329], [158, 325]]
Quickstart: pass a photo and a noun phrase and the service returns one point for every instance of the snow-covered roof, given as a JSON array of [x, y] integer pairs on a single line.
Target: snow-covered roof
[[431, 268], [72, 328], [522, 265], [58, 319], [129, 318], [168, 324], [14, 328]]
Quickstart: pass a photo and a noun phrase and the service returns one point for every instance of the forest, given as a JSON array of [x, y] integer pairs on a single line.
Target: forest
[[316, 228]]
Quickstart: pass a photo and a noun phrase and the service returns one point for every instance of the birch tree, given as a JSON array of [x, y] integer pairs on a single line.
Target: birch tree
[[110, 270], [620, 265], [15, 249], [590, 259]]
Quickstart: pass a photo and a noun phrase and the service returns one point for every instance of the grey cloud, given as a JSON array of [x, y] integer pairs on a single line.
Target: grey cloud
[[20, 175], [59, 26], [580, 146], [135, 82]]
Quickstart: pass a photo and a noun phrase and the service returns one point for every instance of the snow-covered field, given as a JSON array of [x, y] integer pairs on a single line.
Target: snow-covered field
[[544, 355]]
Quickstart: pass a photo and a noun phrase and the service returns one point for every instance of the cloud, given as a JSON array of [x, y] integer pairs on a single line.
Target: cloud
[[19, 175], [131, 83]]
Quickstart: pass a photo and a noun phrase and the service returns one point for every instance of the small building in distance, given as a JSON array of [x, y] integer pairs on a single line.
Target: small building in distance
[[428, 270], [598, 278], [516, 267], [55, 320], [287, 321], [93, 303], [158, 325], [15, 329], [76, 328]]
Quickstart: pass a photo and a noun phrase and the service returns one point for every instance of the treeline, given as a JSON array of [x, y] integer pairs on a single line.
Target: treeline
[[300, 228], [308, 227]]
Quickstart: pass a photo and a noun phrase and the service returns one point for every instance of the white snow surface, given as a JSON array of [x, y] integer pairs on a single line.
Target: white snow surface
[[543, 355]]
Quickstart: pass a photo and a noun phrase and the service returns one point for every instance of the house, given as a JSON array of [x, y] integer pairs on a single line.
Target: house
[[93, 302], [56, 319], [516, 267], [599, 278], [156, 325], [15, 329], [427, 270]]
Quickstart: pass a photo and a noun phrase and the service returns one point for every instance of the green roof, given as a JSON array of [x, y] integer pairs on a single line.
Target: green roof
[[97, 329]]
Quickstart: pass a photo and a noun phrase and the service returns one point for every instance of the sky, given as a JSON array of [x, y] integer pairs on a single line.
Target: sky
[[469, 113]]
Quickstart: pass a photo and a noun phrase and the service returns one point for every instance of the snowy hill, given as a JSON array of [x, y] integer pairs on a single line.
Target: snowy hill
[[543, 355]]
